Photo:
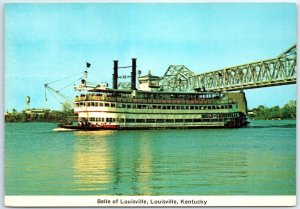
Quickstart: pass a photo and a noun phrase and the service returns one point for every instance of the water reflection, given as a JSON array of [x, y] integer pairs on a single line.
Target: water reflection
[[133, 163], [92, 161], [145, 168], [246, 161]]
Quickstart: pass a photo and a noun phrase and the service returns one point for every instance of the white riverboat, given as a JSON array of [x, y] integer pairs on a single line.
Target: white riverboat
[[147, 107]]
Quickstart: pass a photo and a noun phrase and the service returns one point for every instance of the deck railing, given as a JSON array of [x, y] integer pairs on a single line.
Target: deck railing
[[152, 101]]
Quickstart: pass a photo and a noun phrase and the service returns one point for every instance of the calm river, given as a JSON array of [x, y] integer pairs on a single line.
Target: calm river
[[258, 160]]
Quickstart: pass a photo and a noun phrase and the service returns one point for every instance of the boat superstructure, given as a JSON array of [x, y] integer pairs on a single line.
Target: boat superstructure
[[148, 107]]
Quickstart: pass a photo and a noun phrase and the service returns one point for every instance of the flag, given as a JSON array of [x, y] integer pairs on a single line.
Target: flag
[[88, 65]]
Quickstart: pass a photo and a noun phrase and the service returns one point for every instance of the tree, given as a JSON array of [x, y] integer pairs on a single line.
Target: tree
[[66, 107]]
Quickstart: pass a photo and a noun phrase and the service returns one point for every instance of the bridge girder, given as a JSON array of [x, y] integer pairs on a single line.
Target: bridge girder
[[176, 77], [280, 70]]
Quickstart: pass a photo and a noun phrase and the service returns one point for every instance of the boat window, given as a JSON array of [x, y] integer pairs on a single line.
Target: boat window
[[128, 106], [158, 107], [209, 107], [106, 104], [205, 116], [230, 106], [178, 120], [134, 106], [213, 107], [188, 120], [173, 107], [123, 105], [150, 120], [144, 107], [168, 107], [113, 105], [139, 106], [192, 107], [109, 120], [169, 120], [130, 120], [160, 120], [100, 104], [140, 120]]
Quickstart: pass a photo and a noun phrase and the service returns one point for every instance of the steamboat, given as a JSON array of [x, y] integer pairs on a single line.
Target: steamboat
[[149, 107]]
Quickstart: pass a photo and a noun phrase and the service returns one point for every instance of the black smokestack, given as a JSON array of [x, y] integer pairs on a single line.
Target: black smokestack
[[115, 75], [133, 74]]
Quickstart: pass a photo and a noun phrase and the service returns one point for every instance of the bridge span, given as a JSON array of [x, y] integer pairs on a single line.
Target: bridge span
[[280, 70]]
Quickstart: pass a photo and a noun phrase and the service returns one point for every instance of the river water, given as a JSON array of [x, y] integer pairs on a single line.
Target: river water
[[258, 160]]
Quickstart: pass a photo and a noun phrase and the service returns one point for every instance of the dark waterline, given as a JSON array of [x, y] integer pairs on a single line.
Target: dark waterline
[[258, 160]]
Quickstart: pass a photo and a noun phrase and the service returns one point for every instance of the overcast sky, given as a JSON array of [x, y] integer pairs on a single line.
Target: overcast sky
[[46, 42]]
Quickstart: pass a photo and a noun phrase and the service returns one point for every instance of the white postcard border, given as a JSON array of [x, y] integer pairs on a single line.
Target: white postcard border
[[147, 201]]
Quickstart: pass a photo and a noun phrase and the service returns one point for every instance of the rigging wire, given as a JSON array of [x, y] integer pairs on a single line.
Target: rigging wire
[[56, 93], [66, 77], [72, 83]]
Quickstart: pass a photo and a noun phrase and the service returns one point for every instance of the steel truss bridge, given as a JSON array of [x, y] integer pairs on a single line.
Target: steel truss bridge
[[280, 70]]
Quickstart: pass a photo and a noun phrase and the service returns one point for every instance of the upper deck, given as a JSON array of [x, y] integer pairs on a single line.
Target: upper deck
[[136, 96]]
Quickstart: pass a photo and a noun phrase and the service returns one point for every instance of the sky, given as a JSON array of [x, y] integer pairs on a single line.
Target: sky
[[47, 42]]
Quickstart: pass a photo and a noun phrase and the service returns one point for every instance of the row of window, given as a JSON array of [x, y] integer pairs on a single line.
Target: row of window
[[204, 118], [149, 96], [151, 106], [130, 120]]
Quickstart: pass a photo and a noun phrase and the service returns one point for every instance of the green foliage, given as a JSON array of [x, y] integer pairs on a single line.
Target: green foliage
[[288, 111], [51, 116]]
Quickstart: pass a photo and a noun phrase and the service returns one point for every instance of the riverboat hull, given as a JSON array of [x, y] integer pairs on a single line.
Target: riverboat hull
[[61, 128]]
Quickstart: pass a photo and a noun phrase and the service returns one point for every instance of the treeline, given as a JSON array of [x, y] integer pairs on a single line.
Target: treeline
[[51, 116], [42, 115], [288, 111]]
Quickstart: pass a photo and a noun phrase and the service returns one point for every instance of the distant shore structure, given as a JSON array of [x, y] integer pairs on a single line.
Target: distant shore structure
[[27, 99]]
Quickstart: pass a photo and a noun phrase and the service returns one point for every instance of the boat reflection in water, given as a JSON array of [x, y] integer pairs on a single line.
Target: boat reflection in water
[[105, 163], [92, 161], [151, 162]]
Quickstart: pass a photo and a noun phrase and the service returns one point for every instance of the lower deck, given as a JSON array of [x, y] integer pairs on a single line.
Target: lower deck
[[138, 121]]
